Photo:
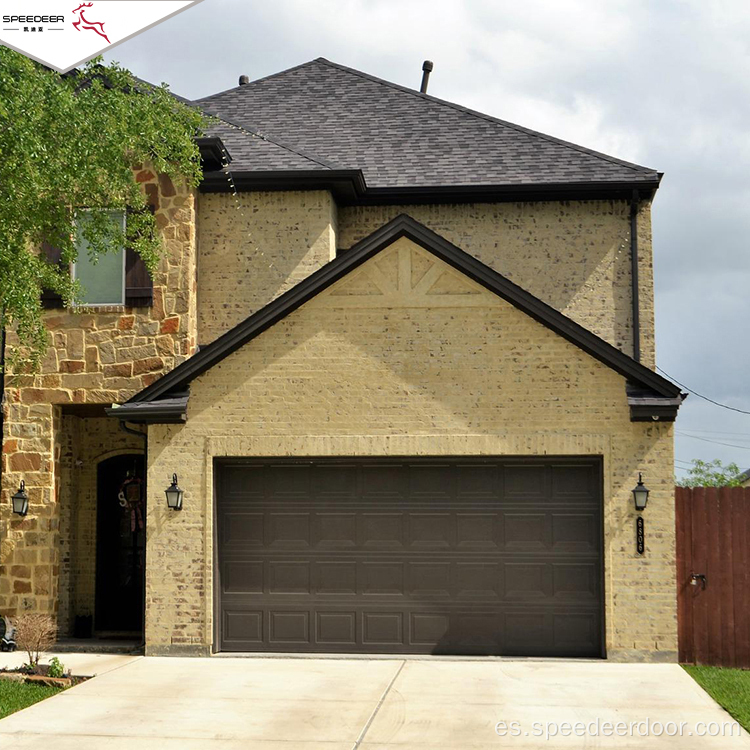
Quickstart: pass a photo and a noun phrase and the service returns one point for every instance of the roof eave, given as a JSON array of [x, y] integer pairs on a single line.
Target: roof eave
[[350, 188], [165, 411]]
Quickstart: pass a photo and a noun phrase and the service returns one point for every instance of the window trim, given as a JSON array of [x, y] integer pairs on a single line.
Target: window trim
[[123, 249]]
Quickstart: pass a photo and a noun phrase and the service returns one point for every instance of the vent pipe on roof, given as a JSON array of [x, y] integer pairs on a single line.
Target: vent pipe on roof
[[244, 80], [426, 70]]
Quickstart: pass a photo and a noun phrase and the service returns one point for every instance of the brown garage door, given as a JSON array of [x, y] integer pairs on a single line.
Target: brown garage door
[[454, 556]]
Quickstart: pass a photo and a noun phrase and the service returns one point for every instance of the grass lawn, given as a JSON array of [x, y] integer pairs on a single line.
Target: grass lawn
[[16, 695], [728, 687]]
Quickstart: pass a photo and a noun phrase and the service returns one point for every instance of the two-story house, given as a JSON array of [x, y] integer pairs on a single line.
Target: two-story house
[[400, 357]]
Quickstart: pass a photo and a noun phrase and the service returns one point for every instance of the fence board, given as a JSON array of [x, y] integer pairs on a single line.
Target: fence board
[[713, 538]]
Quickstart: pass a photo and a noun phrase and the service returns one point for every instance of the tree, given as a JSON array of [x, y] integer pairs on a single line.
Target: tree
[[70, 142], [711, 474]]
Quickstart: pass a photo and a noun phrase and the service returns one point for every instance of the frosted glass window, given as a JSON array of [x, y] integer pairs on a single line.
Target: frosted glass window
[[103, 282]]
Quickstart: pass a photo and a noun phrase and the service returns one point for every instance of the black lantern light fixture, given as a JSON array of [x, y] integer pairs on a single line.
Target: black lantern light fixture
[[174, 495], [21, 500], [640, 494]]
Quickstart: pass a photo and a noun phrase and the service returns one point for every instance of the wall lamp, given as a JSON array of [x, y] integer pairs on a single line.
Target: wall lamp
[[21, 500], [174, 495], [640, 494]]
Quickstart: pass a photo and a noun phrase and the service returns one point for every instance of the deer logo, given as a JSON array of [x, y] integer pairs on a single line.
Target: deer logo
[[82, 23]]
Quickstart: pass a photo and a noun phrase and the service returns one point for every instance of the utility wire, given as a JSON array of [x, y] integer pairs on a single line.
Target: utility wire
[[700, 395], [715, 442]]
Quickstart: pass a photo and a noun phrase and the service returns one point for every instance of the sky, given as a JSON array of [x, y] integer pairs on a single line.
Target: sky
[[663, 83]]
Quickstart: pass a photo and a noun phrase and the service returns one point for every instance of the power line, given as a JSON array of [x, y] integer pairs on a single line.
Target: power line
[[700, 395], [715, 442], [723, 433]]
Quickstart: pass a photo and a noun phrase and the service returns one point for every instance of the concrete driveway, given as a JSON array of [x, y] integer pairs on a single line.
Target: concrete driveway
[[331, 704]]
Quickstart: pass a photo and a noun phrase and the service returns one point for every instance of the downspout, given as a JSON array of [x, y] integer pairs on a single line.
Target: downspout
[[634, 285], [143, 435]]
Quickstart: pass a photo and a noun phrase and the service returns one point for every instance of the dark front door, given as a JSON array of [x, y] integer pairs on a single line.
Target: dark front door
[[453, 556], [120, 545]]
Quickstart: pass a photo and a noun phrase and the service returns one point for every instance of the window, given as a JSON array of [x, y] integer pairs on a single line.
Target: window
[[103, 282]]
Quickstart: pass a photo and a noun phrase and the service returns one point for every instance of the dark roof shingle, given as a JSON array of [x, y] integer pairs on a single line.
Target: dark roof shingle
[[398, 137]]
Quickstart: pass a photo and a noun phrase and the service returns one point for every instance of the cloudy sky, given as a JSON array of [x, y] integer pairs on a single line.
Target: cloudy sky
[[664, 83]]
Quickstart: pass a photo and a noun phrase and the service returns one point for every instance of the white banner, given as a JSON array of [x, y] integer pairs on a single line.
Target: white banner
[[66, 33]]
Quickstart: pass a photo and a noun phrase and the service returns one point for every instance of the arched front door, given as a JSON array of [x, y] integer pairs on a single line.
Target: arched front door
[[120, 545]]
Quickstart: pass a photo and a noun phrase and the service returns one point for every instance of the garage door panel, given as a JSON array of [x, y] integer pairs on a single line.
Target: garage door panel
[[288, 530], [244, 529], [576, 532], [239, 577], [382, 530], [477, 531], [524, 532], [383, 629], [335, 530], [576, 581], [289, 577], [243, 627], [338, 578], [431, 531], [463, 556], [382, 578], [477, 580], [287, 628], [429, 579], [336, 628]]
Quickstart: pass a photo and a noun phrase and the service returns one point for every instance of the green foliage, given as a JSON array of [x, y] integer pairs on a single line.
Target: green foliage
[[17, 695], [70, 142], [730, 688], [56, 668], [711, 474]]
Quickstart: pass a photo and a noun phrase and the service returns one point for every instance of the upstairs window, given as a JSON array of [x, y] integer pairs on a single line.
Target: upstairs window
[[102, 281]]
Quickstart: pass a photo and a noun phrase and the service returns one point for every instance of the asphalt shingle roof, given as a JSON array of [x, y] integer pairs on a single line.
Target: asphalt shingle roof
[[250, 147], [330, 115]]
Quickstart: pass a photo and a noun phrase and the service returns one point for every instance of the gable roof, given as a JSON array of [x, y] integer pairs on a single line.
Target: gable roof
[[402, 139], [659, 390]]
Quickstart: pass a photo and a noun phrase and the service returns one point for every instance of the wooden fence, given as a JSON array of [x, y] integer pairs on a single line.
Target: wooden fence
[[713, 575]]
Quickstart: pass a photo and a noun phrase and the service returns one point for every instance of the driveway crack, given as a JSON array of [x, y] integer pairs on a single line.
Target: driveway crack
[[377, 708]]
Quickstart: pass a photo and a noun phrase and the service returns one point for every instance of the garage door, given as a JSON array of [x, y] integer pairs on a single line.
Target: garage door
[[456, 556]]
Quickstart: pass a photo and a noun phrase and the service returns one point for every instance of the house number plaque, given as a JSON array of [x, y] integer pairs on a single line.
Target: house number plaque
[[640, 535]]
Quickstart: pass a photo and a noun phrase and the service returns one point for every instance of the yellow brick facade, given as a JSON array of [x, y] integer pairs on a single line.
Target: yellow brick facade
[[255, 246], [406, 357], [575, 256], [374, 366]]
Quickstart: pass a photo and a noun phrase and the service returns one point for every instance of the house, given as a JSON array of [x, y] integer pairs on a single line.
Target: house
[[745, 478], [399, 359]]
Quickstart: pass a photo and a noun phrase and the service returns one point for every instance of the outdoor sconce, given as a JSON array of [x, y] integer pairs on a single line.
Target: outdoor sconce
[[21, 500], [640, 494], [174, 495]]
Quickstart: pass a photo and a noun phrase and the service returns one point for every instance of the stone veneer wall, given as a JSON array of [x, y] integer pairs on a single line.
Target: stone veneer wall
[[99, 355], [573, 255], [252, 247], [407, 357]]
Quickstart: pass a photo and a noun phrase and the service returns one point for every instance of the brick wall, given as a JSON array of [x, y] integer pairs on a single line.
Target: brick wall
[[255, 246], [381, 365], [573, 255]]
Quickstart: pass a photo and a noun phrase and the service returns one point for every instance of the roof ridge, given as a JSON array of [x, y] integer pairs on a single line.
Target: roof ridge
[[480, 115], [258, 80], [256, 133]]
